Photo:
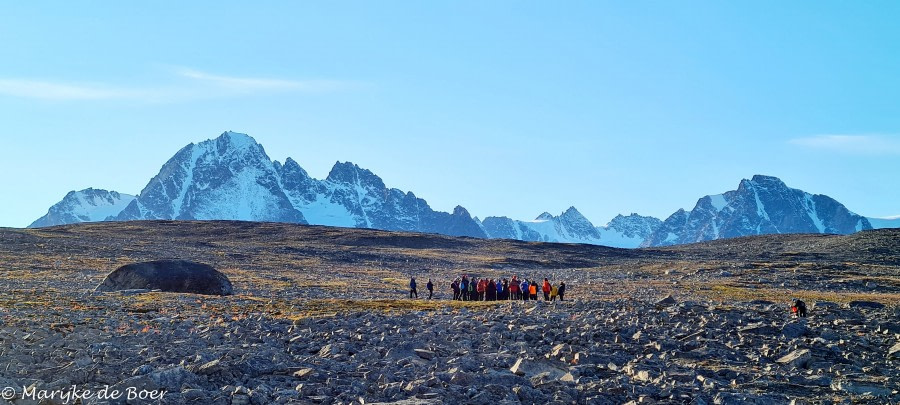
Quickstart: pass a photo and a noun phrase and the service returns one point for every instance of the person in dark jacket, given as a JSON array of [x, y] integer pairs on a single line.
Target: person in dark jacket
[[412, 288], [799, 308], [455, 287], [430, 287], [491, 291], [561, 291]]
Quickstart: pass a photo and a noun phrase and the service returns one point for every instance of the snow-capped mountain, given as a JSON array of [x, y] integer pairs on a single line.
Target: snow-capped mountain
[[355, 197], [628, 231], [761, 205], [568, 227], [890, 222], [572, 227], [231, 177], [88, 205]]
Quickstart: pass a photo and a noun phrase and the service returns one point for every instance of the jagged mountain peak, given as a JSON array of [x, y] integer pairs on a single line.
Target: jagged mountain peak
[[88, 205], [764, 179], [237, 139], [761, 205], [546, 216], [461, 212], [572, 214], [351, 173], [763, 182], [291, 166], [233, 144]]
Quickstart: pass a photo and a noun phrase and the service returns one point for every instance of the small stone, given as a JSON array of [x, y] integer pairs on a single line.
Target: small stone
[[865, 304], [860, 389], [558, 349], [794, 330], [209, 368], [797, 358], [642, 375], [668, 301], [894, 351], [303, 373], [425, 354]]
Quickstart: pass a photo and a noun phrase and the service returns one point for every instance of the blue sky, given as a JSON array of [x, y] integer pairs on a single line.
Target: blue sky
[[505, 107]]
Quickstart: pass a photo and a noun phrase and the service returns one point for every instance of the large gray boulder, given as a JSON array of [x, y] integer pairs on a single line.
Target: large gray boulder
[[180, 276]]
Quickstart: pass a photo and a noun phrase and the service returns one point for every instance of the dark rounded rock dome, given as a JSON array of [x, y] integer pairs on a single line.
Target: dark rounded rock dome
[[180, 276]]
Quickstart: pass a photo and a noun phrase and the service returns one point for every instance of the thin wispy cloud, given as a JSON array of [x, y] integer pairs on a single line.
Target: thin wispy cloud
[[186, 84], [48, 90], [257, 84], [852, 144]]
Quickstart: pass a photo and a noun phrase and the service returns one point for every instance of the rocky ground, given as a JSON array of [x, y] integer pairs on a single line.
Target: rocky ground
[[317, 319]]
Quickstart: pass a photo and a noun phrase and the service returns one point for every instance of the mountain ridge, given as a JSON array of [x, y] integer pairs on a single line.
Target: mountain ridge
[[760, 205], [232, 177]]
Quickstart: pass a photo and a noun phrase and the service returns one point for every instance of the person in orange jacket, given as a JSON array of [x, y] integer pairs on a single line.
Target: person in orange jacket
[[532, 290]]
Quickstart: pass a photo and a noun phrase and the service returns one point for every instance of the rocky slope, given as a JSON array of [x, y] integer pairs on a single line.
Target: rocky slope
[[761, 205], [316, 318]]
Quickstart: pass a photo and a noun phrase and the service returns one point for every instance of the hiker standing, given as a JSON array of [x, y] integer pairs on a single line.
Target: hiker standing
[[561, 290], [430, 287], [799, 308], [546, 289], [412, 288]]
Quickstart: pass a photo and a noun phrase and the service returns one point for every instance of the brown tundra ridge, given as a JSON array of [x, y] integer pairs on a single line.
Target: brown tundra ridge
[[319, 315]]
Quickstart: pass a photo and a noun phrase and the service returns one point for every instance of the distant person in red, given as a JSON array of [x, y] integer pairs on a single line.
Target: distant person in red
[[514, 288], [546, 288]]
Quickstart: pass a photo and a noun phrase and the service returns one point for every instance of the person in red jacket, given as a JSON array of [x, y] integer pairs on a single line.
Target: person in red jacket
[[514, 288], [546, 289]]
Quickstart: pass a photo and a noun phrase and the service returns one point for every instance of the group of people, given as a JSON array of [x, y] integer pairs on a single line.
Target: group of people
[[472, 289]]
